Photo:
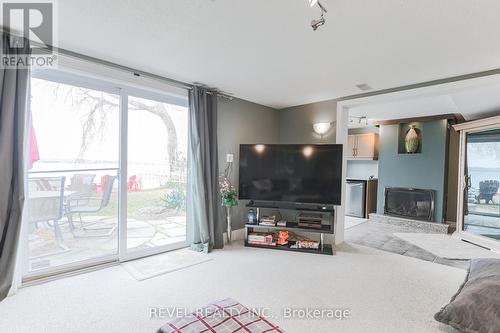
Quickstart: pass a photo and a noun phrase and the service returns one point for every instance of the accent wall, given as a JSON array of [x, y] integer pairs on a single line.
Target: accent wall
[[426, 170], [241, 122]]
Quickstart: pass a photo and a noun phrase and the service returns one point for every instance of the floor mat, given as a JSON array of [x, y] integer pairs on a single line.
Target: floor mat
[[149, 267], [222, 317]]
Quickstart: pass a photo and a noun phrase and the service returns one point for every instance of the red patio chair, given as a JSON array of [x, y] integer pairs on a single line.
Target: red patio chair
[[133, 185]]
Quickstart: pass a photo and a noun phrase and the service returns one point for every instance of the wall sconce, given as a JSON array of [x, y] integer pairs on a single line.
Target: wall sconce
[[321, 128]]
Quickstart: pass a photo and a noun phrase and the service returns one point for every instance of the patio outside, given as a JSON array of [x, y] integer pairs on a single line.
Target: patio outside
[[483, 192], [72, 205], [153, 222]]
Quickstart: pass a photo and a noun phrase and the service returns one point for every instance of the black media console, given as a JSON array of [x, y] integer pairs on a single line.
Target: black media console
[[293, 226]]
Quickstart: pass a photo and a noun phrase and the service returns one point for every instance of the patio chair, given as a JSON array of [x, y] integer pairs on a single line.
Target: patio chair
[[104, 180], [487, 189], [46, 203], [133, 185], [80, 203], [82, 182]]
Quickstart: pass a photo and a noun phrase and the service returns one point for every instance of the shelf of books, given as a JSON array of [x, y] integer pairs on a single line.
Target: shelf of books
[[294, 226], [281, 235], [327, 249]]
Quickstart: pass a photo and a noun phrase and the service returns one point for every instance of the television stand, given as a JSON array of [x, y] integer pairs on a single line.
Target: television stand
[[326, 249]]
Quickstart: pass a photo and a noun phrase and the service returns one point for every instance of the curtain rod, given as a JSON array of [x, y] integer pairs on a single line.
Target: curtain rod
[[133, 71], [140, 73]]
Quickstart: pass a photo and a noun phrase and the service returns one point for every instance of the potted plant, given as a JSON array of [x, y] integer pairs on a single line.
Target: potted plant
[[229, 200]]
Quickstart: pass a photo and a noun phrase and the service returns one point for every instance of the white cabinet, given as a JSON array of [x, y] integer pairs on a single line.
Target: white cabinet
[[362, 146], [351, 146]]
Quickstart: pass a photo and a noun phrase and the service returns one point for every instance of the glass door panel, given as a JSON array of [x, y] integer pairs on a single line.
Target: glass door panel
[[71, 209], [157, 174], [482, 197]]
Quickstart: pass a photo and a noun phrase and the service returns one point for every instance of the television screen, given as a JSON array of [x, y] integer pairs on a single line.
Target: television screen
[[291, 173]]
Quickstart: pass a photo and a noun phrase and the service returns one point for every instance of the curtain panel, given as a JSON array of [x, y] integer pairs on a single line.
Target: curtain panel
[[14, 87], [205, 204]]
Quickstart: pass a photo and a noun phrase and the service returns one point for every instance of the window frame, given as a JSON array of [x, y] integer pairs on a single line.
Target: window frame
[[123, 89]]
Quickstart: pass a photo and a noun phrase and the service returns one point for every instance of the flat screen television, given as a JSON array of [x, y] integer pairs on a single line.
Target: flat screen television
[[291, 173]]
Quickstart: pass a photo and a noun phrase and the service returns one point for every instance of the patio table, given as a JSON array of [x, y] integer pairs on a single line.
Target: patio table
[[40, 195], [48, 194]]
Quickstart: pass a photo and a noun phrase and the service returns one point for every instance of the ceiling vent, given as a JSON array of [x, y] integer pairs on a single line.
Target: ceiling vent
[[364, 87]]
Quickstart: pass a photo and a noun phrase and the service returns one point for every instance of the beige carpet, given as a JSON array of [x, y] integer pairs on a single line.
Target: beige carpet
[[149, 267], [385, 292], [446, 246]]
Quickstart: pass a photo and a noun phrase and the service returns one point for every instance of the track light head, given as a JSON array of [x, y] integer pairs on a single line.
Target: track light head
[[315, 24]]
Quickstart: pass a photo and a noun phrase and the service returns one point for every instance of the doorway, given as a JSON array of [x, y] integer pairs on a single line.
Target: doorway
[[106, 173], [481, 201]]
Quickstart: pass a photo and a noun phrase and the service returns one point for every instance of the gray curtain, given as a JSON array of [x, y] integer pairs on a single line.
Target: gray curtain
[[13, 103], [205, 202]]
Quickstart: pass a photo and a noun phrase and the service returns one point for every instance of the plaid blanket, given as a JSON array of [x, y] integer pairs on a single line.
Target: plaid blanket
[[226, 316]]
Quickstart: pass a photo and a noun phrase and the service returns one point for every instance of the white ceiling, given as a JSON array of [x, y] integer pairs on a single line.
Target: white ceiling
[[265, 51], [472, 99]]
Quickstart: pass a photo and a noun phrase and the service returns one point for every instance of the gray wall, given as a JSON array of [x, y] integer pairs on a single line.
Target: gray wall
[[239, 122], [425, 170], [296, 123]]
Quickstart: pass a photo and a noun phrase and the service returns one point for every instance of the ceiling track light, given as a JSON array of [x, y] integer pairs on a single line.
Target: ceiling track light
[[315, 24], [360, 120]]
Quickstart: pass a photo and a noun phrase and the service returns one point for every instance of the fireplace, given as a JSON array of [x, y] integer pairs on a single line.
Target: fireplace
[[409, 203]]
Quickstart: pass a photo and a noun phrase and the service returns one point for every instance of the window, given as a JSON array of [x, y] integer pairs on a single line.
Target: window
[[157, 168], [105, 179]]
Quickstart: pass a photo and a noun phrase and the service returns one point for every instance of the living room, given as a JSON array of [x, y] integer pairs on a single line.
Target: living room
[[250, 166]]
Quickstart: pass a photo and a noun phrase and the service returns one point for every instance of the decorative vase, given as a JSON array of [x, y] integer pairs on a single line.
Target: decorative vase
[[229, 226], [412, 140], [251, 216]]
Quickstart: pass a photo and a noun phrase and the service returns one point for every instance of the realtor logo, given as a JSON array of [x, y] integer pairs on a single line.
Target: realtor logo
[[33, 21]]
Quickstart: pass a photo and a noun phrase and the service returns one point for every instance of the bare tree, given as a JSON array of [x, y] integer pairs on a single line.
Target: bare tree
[[95, 120]]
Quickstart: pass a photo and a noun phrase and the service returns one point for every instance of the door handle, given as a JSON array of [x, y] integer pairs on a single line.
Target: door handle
[[468, 182]]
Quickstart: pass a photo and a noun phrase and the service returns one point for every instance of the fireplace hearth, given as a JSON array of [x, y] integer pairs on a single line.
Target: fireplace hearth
[[409, 203]]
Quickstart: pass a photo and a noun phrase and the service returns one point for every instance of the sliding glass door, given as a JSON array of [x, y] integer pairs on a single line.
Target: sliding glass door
[[71, 211], [482, 190], [106, 173], [157, 174]]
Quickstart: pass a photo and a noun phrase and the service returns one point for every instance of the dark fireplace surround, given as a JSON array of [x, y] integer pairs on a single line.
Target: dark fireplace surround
[[410, 203]]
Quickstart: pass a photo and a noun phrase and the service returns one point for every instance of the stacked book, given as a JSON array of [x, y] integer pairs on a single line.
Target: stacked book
[[310, 220], [268, 221], [259, 238]]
